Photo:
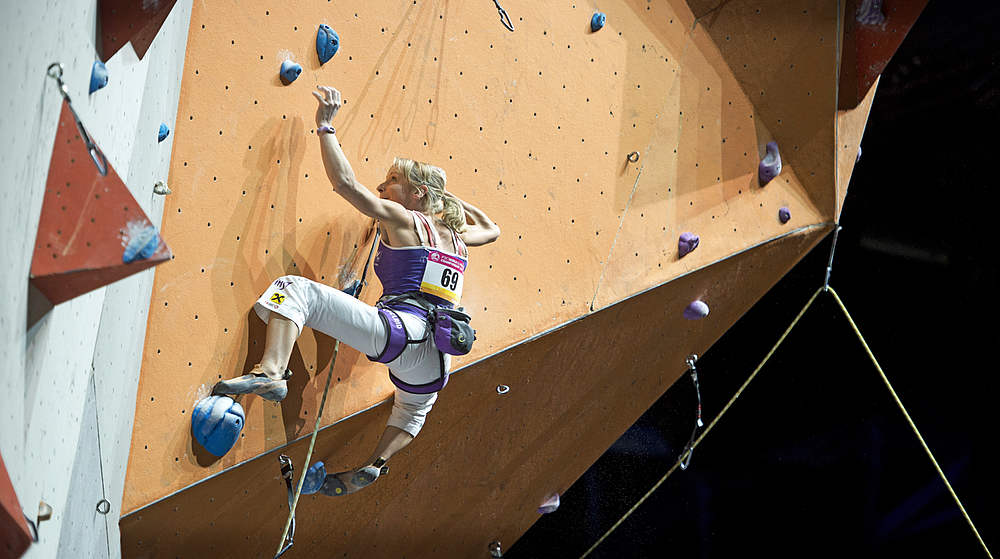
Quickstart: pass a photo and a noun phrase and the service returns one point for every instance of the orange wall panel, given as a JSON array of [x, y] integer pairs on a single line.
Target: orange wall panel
[[533, 126]]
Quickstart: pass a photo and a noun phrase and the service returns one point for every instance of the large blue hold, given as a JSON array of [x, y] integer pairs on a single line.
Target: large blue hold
[[142, 245], [98, 76], [327, 43], [164, 132], [290, 71], [216, 423], [597, 22]]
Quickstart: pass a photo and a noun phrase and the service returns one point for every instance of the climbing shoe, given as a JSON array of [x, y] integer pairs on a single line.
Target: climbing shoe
[[256, 382], [343, 483]]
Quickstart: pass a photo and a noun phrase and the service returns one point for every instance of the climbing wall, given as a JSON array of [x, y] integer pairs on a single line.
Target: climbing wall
[[71, 373], [536, 127]]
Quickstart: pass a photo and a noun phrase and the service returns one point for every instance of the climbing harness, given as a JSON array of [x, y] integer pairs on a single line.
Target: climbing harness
[[55, 72], [504, 18], [685, 458], [287, 468], [686, 454]]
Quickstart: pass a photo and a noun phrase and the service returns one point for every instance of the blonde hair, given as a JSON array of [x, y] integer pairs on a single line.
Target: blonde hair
[[437, 200]]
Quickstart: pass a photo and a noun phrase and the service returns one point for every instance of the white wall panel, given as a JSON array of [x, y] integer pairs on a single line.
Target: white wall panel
[[73, 378]]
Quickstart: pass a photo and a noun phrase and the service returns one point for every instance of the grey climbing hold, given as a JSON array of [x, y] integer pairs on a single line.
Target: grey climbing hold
[[98, 76], [290, 71], [597, 22], [327, 43], [141, 245], [687, 243], [164, 132], [858, 158], [770, 165], [784, 214], [696, 310], [550, 505], [161, 188]]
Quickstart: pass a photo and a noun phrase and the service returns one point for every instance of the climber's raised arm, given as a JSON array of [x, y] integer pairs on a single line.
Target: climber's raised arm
[[339, 170]]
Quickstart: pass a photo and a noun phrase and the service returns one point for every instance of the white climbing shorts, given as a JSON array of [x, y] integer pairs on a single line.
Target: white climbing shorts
[[331, 311]]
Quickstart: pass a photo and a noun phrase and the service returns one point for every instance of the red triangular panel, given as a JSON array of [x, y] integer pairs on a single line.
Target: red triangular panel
[[87, 223], [14, 533], [122, 21], [868, 47]]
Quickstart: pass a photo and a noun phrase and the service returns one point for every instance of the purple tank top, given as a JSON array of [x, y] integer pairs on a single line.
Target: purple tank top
[[401, 270]]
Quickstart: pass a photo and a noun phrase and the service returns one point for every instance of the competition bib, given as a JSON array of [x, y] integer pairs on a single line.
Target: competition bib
[[443, 276]]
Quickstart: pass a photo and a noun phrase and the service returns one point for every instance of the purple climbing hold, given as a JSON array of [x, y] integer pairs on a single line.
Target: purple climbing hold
[[550, 505], [870, 13], [327, 43], [687, 243], [784, 215], [290, 71], [770, 165], [858, 158], [696, 310]]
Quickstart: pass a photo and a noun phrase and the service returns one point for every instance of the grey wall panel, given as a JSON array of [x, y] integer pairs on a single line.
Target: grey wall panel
[[83, 530]]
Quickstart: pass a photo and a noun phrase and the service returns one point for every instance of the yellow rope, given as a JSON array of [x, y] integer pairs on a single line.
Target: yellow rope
[[706, 431], [754, 374], [912, 425], [312, 444]]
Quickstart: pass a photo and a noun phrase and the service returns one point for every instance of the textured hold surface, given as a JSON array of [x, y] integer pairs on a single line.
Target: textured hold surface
[[290, 71], [327, 43], [597, 21], [315, 476], [98, 76], [216, 423], [687, 243], [770, 164], [696, 310]]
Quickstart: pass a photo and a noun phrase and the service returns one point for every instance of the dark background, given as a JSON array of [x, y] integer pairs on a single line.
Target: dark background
[[815, 459]]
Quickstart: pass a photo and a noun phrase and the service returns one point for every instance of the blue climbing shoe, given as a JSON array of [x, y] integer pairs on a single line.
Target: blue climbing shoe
[[255, 382]]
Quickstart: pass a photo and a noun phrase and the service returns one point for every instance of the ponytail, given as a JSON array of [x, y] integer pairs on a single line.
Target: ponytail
[[437, 200]]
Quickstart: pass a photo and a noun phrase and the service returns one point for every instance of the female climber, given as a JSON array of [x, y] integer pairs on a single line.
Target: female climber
[[420, 262]]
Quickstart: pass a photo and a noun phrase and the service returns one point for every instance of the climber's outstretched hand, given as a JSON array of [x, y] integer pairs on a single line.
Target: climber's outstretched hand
[[329, 103]]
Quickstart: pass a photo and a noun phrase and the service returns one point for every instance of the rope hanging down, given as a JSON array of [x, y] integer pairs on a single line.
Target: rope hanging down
[[686, 455], [288, 535]]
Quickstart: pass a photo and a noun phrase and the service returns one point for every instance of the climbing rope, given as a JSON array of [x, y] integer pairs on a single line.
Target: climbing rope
[[287, 541], [686, 455]]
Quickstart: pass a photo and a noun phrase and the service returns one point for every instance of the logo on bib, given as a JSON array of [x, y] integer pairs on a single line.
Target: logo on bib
[[435, 256]]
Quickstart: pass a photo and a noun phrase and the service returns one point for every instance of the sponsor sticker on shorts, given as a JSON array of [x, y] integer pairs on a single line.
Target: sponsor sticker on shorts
[[278, 298]]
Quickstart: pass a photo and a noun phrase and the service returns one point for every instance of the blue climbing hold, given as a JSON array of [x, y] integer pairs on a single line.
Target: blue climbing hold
[[290, 71], [98, 76], [315, 476], [353, 288], [784, 214], [597, 22], [216, 423], [770, 165], [327, 43], [141, 245], [164, 132]]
